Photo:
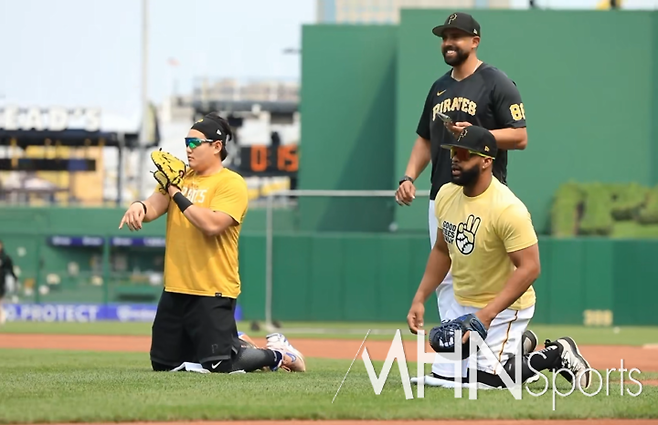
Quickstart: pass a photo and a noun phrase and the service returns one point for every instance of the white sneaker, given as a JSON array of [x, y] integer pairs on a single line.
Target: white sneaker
[[293, 360]]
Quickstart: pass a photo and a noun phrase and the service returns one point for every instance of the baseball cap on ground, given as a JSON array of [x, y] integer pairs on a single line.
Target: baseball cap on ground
[[460, 21], [475, 139]]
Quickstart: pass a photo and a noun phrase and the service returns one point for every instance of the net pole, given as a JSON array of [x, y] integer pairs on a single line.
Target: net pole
[[268, 261], [269, 229]]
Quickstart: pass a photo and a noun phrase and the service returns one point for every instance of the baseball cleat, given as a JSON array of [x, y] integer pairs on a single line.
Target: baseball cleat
[[529, 340], [573, 361], [529, 343], [293, 360]]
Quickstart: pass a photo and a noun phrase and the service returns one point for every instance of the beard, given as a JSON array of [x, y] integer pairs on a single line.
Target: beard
[[467, 177], [459, 58]]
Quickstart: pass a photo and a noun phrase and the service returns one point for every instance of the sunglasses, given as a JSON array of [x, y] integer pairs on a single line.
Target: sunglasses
[[464, 154], [195, 142]]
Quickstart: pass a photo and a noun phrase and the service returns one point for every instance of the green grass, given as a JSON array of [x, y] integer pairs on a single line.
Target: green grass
[[55, 386], [631, 335]]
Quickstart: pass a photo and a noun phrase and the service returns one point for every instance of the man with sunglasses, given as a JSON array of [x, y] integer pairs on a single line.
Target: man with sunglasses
[[486, 237], [471, 93], [195, 317]]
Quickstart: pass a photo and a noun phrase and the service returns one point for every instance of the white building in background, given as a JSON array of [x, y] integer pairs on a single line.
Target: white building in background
[[255, 102], [256, 109]]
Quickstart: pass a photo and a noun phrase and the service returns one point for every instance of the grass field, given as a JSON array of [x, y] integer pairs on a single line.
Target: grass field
[[629, 335], [84, 387], [38, 386]]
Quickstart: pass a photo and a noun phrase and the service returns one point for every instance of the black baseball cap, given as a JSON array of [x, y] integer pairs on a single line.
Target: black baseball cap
[[211, 127], [460, 21], [475, 139]]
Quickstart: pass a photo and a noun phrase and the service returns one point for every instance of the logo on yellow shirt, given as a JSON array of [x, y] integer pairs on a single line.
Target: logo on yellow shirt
[[463, 234]]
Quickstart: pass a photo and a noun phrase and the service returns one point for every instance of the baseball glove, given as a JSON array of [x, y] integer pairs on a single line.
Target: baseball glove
[[442, 337], [170, 170]]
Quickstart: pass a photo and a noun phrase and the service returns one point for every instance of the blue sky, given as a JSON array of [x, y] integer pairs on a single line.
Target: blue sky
[[88, 52]]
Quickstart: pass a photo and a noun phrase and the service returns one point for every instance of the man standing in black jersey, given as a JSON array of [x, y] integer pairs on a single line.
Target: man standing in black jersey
[[471, 93]]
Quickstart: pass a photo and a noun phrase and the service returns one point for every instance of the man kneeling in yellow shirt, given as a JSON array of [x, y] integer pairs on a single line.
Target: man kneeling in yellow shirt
[[195, 317], [485, 234]]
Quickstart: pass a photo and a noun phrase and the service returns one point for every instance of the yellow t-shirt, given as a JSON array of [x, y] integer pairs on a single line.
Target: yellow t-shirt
[[480, 231], [197, 264]]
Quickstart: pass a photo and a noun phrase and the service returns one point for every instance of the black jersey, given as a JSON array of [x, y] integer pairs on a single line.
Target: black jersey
[[6, 267], [487, 98]]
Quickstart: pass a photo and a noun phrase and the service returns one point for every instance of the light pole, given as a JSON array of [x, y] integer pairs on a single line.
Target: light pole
[[144, 100]]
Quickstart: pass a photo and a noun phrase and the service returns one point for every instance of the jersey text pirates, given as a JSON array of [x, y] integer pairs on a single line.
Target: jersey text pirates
[[487, 98]]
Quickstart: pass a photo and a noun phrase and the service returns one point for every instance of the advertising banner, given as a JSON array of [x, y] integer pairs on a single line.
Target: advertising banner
[[81, 313]]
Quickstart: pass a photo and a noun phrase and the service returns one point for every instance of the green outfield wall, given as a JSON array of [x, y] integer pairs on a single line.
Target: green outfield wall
[[348, 130], [333, 275], [27, 231], [576, 86], [374, 277], [588, 95]]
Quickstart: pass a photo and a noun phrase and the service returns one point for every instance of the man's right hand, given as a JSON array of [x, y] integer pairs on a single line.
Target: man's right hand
[[133, 217], [406, 193], [415, 317]]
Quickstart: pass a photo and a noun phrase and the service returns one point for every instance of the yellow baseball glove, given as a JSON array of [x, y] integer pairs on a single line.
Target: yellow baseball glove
[[162, 180], [170, 170]]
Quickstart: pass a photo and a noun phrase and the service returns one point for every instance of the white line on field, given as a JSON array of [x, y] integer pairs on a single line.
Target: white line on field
[[650, 346], [350, 368]]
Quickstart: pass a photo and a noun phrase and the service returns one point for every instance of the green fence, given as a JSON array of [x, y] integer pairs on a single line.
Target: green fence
[[357, 277], [373, 277]]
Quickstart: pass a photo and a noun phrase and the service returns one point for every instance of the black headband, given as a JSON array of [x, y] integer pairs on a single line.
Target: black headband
[[210, 127]]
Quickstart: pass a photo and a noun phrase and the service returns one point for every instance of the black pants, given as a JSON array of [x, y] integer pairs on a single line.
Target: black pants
[[192, 328]]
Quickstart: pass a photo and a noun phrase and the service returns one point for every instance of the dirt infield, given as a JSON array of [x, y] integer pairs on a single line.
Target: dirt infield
[[423, 422], [600, 357]]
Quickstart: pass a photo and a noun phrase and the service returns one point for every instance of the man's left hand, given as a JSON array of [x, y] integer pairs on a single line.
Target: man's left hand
[[485, 318], [457, 128]]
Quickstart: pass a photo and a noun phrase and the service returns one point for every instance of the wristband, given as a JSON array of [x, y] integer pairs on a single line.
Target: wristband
[[404, 179], [182, 202], [143, 205]]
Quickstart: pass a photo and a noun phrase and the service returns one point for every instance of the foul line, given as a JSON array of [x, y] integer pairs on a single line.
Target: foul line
[[350, 368]]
